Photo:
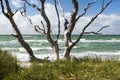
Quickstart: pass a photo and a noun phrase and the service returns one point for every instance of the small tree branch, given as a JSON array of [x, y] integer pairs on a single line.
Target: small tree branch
[[38, 29], [33, 5], [15, 35], [16, 11], [103, 28], [98, 32], [66, 24], [85, 9], [43, 27]]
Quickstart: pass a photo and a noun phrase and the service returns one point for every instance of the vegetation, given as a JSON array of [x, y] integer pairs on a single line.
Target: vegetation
[[76, 69], [8, 64], [83, 69]]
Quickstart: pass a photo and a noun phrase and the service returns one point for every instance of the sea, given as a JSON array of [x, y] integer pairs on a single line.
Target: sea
[[103, 46]]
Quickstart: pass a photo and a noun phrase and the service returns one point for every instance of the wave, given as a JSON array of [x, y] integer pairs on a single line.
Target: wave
[[35, 49], [20, 49], [90, 53], [60, 41], [24, 57], [82, 40], [9, 48], [6, 42], [36, 40]]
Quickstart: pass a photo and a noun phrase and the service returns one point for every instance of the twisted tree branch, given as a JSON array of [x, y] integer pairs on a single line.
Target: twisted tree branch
[[91, 21]]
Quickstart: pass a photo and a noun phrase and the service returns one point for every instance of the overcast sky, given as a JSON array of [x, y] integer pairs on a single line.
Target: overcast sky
[[111, 16]]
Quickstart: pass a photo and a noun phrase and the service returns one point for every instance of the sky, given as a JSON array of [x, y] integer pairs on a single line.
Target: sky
[[111, 16]]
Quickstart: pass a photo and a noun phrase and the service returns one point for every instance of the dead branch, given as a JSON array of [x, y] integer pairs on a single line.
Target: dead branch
[[98, 32], [6, 14], [32, 5], [103, 28], [38, 29], [66, 24], [85, 9], [91, 21], [18, 34], [58, 34], [15, 35], [43, 14], [44, 31], [8, 8], [71, 25]]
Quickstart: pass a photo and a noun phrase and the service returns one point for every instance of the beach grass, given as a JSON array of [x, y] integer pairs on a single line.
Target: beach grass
[[8, 64], [82, 69]]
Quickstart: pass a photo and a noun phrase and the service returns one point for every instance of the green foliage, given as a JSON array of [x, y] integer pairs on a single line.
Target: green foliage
[[8, 64], [82, 69]]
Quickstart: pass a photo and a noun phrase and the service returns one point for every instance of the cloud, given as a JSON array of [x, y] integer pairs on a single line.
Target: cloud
[[17, 3], [24, 26], [22, 23]]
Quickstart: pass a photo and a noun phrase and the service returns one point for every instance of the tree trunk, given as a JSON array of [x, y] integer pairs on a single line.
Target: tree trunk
[[27, 48], [56, 51], [68, 45], [67, 53], [21, 40]]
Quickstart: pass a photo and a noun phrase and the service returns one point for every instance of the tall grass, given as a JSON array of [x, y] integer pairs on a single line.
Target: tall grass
[[82, 69], [8, 64], [86, 69]]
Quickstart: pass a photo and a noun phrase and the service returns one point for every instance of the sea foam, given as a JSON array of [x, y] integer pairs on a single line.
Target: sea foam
[[24, 57]]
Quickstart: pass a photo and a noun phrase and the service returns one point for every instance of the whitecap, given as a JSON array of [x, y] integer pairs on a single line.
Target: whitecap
[[24, 57]]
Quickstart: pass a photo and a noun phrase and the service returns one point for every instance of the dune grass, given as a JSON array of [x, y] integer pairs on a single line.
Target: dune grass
[[8, 64], [84, 69]]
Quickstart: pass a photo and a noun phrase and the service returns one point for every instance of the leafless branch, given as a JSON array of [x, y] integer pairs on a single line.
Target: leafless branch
[[16, 11], [93, 18], [72, 22], [75, 11], [66, 23], [6, 14], [103, 28], [98, 32], [33, 5], [58, 34], [15, 35], [38, 29], [43, 27], [43, 14], [8, 8], [85, 9]]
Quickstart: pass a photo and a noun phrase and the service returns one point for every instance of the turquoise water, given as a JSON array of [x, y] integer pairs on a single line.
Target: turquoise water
[[103, 45]]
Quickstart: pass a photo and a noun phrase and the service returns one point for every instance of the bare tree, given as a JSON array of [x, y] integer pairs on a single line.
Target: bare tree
[[9, 14], [47, 31], [68, 24], [69, 44]]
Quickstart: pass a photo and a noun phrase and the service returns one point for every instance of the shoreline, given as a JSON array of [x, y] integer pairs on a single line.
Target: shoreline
[[52, 57]]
